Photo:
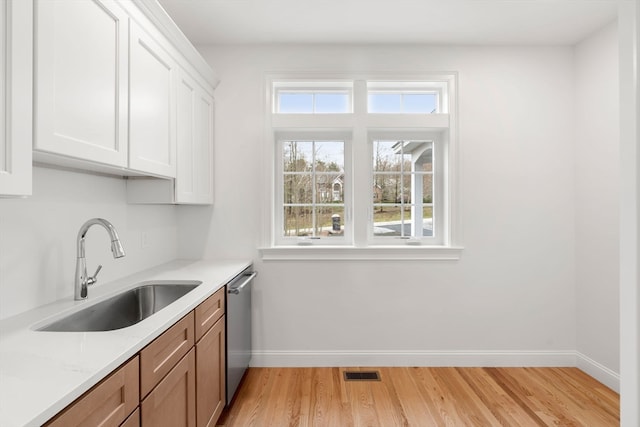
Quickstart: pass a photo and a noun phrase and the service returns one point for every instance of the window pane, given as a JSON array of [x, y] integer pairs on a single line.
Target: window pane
[[332, 103], [329, 156], [387, 188], [329, 221], [298, 221], [419, 103], [385, 102], [427, 222], [297, 156], [384, 156], [329, 188], [298, 189], [427, 188], [387, 220], [291, 102]]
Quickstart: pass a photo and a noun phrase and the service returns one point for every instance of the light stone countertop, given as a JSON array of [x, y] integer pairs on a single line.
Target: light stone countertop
[[42, 372]]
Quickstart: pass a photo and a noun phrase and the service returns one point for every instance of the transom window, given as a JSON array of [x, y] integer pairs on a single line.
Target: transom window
[[404, 97], [312, 98], [355, 177]]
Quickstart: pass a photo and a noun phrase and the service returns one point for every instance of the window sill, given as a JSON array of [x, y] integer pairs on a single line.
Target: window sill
[[351, 253]]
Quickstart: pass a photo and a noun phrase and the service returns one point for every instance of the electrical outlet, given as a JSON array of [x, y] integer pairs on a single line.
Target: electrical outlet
[[144, 240]]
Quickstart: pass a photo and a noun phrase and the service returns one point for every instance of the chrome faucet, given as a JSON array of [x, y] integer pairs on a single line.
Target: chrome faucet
[[82, 281]]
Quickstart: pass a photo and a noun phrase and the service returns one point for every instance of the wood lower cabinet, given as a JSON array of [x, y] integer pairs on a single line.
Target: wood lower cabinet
[[178, 380], [211, 370], [173, 402], [108, 404]]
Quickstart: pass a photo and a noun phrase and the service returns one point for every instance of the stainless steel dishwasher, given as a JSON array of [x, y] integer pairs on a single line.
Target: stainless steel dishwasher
[[238, 329]]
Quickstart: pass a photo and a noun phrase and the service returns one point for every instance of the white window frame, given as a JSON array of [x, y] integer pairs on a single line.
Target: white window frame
[[280, 138], [358, 129], [438, 199]]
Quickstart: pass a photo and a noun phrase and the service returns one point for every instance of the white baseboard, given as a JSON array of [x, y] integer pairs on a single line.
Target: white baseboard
[[413, 358], [600, 372]]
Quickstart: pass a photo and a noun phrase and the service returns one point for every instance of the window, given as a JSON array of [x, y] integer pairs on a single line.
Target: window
[[362, 164], [403, 188], [404, 97], [312, 98], [402, 102], [312, 191]]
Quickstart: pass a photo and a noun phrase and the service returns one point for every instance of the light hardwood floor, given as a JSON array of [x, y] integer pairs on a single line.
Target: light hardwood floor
[[423, 397]]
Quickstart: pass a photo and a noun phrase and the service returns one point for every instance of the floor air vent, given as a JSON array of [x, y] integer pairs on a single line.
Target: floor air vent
[[361, 376]]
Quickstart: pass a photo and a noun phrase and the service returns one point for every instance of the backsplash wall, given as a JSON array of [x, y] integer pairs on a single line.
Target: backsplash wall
[[38, 236]]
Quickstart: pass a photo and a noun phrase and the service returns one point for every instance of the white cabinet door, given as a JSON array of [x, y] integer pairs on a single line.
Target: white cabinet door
[[152, 118], [81, 80], [194, 180], [16, 49]]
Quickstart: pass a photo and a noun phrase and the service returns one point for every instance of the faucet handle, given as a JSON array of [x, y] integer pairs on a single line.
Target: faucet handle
[[93, 279]]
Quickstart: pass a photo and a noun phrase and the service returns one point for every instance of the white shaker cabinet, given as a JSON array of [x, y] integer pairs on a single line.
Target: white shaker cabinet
[[81, 80], [194, 181], [152, 115], [194, 174], [16, 41]]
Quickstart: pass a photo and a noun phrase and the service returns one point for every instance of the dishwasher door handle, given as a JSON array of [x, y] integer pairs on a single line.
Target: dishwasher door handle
[[237, 289]]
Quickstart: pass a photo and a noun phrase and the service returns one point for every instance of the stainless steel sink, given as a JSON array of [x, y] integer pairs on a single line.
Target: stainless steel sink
[[124, 309]]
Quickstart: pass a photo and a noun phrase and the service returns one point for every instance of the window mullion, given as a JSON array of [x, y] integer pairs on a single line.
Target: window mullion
[[362, 173]]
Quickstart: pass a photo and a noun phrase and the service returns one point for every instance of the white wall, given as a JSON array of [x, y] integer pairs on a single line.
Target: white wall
[[597, 169], [38, 236], [513, 291]]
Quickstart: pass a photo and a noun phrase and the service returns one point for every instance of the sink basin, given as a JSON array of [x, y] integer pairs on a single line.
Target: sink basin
[[125, 309]]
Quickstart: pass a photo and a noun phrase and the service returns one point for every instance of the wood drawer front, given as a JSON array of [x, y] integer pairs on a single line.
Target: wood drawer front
[[208, 313], [173, 402], [107, 404], [159, 357], [133, 420]]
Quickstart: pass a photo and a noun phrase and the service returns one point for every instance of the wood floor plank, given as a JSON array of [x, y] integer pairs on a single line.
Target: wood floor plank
[[417, 405], [495, 398], [422, 397]]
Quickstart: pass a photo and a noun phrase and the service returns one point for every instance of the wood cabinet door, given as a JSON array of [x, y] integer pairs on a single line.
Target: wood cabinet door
[[194, 179], [173, 402], [16, 48], [81, 80], [108, 404], [210, 369], [152, 116]]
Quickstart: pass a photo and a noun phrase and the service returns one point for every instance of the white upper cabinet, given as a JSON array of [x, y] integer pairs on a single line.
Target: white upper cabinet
[[194, 181], [106, 81], [152, 115], [81, 80], [16, 41]]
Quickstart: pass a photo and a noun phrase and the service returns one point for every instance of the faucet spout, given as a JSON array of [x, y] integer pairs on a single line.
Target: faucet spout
[[82, 280]]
